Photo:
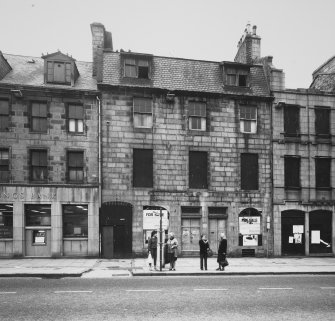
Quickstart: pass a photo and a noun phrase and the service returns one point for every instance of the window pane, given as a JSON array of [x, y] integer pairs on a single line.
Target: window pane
[[143, 105], [39, 124], [292, 172], [197, 109], [80, 124], [38, 215], [39, 109], [142, 168], [68, 72], [59, 72], [75, 221], [130, 71], [4, 107], [39, 158], [242, 80], [248, 112], [6, 221], [231, 80], [142, 120], [72, 125], [198, 169], [322, 172], [249, 171], [76, 112], [50, 75]]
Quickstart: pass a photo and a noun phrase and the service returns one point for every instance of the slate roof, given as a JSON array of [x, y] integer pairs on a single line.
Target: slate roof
[[175, 74], [324, 76], [25, 73]]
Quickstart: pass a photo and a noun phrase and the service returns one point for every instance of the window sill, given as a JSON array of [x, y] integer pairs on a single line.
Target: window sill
[[76, 134], [75, 238], [195, 132], [323, 188], [292, 188], [143, 129], [6, 239]]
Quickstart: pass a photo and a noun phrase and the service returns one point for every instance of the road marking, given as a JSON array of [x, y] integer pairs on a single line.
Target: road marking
[[210, 289], [7, 292], [327, 287], [275, 288], [73, 291], [143, 290]]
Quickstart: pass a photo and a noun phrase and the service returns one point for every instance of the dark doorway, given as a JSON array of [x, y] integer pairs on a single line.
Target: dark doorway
[[320, 227], [293, 232], [116, 230]]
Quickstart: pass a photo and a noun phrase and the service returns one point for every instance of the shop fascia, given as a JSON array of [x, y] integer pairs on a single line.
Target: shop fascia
[[15, 196]]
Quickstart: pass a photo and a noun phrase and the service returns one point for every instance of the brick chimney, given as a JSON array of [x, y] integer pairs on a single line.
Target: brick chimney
[[249, 46], [101, 39]]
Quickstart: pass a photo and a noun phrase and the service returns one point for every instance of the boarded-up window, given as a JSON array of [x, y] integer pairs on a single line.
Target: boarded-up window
[[39, 120], [4, 115], [249, 171], [291, 121], [59, 72], [75, 166], [292, 172], [4, 165], [322, 122], [142, 168], [322, 172], [198, 169], [39, 165]]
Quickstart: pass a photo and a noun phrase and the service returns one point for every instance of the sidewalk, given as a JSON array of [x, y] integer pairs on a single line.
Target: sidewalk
[[103, 268]]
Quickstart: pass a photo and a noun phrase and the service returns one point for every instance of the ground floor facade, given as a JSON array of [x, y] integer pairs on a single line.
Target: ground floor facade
[[304, 230], [49, 221]]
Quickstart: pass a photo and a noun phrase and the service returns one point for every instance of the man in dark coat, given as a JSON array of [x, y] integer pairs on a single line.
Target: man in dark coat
[[204, 245]]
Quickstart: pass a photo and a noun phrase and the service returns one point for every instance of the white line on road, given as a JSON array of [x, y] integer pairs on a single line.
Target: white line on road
[[210, 289], [73, 291], [143, 290], [275, 288], [327, 287], [7, 292]]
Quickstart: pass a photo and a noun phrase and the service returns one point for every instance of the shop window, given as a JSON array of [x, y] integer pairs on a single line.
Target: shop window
[[76, 119], [39, 165], [197, 116], [38, 215], [292, 172], [142, 112], [39, 120], [142, 168], [250, 228], [198, 168], [291, 121], [59, 72], [75, 166], [249, 171], [4, 165], [75, 221], [4, 115], [248, 119], [6, 221], [136, 68], [323, 172], [322, 122]]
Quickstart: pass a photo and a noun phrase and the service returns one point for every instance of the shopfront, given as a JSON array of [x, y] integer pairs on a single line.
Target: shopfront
[[49, 222]]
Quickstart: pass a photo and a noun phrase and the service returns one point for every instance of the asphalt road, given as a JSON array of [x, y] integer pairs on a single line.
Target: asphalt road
[[169, 298]]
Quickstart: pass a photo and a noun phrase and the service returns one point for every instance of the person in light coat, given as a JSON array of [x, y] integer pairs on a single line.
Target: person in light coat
[[172, 246]]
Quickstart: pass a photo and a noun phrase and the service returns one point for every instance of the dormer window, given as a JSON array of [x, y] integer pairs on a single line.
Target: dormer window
[[136, 66], [60, 69], [59, 72], [237, 75]]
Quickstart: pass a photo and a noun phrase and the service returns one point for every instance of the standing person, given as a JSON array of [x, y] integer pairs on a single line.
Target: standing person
[[172, 245], [222, 252], [204, 245], [152, 247]]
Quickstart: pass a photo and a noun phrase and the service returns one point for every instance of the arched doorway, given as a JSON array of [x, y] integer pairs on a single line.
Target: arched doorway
[[293, 232], [116, 230], [320, 227]]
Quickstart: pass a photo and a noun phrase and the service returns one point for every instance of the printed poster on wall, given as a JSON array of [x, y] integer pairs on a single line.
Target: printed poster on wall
[[250, 240], [315, 237], [298, 229], [250, 225]]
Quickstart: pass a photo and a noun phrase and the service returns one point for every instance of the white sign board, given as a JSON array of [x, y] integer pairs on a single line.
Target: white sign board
[[250, 225], [315, 237], [250, 240], [151, 219], [298, 229]]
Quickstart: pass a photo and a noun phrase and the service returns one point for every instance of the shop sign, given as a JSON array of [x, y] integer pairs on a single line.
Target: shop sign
[[250, 225], [5, 196], [151, 219]]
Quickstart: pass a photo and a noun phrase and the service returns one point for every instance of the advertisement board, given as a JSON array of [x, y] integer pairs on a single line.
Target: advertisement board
[[250, 225], [151, 219]]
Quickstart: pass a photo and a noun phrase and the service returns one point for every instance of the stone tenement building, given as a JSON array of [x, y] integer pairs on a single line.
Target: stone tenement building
[[191, 136], [303, 165], [49, 200]]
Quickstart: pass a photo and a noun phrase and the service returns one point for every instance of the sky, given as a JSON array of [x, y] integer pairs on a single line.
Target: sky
[[299, 34]]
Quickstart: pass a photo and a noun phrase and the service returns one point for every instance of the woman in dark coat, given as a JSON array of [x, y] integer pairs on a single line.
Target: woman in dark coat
[[204, 245], [222, 252], [152, 247]]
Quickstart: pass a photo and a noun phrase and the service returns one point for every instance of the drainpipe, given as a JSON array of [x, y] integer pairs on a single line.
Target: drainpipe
[[99, 167]]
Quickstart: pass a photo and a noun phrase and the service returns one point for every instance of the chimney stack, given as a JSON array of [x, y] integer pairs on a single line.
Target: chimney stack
[[101, 39], [249, 47]]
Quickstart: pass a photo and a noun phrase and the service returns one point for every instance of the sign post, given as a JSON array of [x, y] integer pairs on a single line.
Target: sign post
[[160, 239]]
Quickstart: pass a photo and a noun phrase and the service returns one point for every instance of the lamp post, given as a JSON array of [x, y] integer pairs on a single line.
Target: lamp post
[[160, 239]]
